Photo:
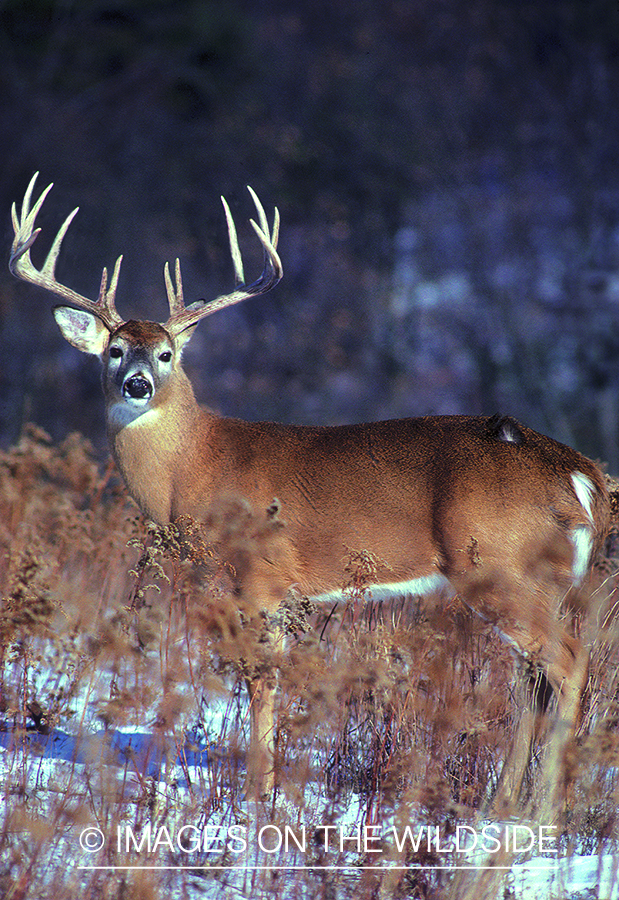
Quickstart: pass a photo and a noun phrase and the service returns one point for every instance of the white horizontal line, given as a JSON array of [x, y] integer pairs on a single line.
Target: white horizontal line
[[309, 868]]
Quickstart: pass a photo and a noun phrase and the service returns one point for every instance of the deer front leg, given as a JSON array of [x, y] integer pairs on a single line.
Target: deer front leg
[[260, 779], [261, 681]]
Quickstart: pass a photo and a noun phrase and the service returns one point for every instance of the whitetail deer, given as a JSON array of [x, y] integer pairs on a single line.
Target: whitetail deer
[[485, 507]]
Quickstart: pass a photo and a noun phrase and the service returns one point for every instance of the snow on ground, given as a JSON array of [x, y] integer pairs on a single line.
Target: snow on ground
[[577, 878], [239, 854], [237, 859]]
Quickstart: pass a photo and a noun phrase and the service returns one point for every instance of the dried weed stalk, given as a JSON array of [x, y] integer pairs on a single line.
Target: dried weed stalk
[[402, 709]]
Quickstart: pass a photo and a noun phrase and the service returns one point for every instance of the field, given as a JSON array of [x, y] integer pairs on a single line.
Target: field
[[124, 721]]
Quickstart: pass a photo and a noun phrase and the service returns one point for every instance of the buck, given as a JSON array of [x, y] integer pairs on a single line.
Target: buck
[[481, 507]]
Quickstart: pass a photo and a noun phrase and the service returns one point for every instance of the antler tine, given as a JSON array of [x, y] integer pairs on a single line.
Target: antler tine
[[272, 271], [262, 218], [182, 317], [22, 267], [175, 294], [107, 295], [235, 250]]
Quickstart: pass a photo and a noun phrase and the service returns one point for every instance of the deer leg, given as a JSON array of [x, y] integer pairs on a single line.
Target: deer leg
[[518, 758], [262, 688], [563, 676], [525, 609], [260, 779], [569, 678]]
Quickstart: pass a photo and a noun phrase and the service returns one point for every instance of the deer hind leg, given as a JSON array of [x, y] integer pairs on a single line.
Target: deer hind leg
[[562, 665], [510, 787], [520, 588], [568, 678], [557, 671]]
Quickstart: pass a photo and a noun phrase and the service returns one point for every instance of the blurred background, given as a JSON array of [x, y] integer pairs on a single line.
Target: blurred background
[[447, 174]]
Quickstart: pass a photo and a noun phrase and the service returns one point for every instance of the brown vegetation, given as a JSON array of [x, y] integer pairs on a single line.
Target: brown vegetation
[[387, 714]]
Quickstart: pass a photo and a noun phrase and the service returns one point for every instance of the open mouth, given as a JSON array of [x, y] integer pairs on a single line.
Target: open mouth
[[138, 387]]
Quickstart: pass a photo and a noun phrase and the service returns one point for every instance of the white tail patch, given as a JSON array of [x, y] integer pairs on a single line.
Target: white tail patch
[[585, 491], [583, 544], [581, 536]]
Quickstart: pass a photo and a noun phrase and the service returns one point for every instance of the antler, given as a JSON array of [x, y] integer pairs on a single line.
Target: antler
[[182, 317], [21, 265]]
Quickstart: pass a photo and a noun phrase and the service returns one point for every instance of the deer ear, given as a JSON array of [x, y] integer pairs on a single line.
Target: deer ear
[[184, 337], [82, 329]]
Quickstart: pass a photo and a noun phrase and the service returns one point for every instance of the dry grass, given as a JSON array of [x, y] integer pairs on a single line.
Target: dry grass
[[389, 714]]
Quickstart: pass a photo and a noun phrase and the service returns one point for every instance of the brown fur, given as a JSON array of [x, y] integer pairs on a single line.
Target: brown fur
[[429, 496], [484, 503]]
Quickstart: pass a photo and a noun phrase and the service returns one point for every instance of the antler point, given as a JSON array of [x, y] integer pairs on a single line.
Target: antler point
[[22, 267]]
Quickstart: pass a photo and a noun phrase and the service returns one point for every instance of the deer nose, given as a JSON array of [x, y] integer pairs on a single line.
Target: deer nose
[[137, 387]]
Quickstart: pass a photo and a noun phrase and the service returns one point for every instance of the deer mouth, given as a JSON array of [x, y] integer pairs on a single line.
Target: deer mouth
[[138, 388]]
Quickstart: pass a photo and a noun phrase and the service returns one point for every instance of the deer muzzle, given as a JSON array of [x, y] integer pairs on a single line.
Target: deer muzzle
[[138, 387]]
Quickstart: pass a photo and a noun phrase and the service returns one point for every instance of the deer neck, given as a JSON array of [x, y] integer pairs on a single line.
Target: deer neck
[[157, 451]]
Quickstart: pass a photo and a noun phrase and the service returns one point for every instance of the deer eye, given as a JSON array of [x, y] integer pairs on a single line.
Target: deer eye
[[166, 356], [115, 352]]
